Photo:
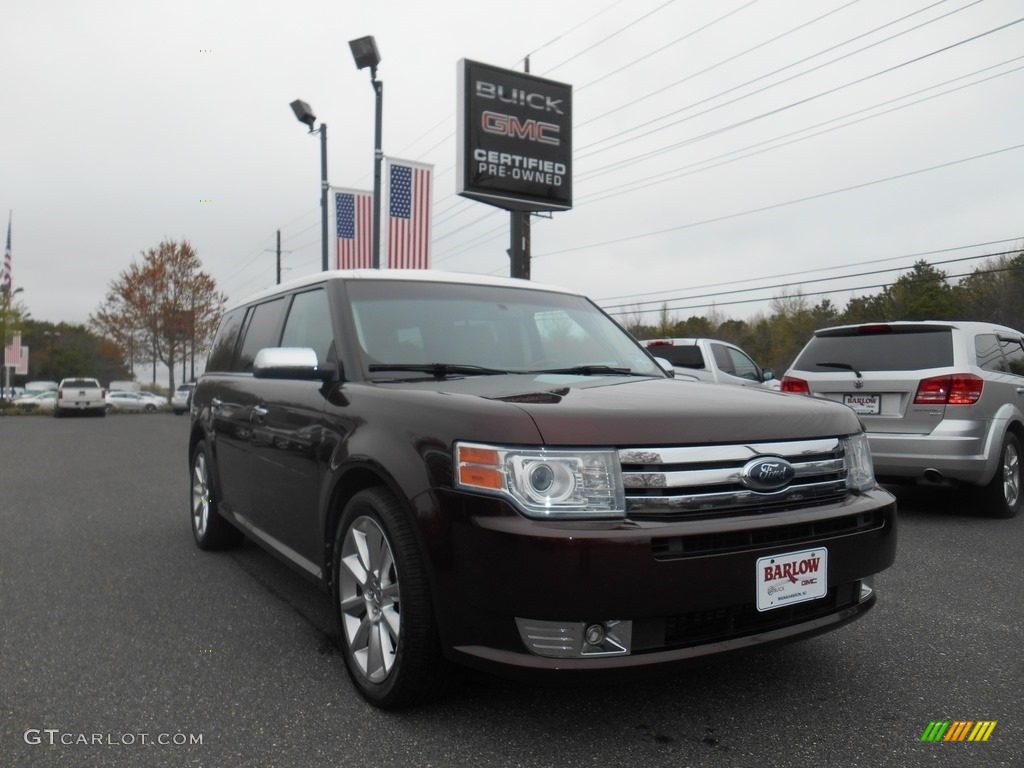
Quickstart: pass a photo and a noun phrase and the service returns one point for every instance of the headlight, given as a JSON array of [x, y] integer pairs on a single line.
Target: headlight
[[860, 474], [545, 484]]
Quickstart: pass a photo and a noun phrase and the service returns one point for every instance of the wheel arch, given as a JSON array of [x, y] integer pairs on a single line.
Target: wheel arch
[[347, 484]]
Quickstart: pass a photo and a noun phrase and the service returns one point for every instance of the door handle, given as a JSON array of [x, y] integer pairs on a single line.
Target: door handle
[[216, 402], [1020, 390], [259, 410]]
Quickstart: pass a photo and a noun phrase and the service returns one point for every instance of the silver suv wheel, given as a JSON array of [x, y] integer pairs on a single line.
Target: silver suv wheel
[[1011, 475], [1002, 496]]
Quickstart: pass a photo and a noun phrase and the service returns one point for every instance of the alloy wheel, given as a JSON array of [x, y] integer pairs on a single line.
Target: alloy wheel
[[369, 599], [1011, 476], [200, 495]]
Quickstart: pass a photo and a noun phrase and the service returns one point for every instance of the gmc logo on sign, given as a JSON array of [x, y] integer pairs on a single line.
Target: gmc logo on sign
[[513, 127]]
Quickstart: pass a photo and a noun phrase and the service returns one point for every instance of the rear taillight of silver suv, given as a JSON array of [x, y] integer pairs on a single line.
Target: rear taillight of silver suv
[[958, 389], [795, 385]]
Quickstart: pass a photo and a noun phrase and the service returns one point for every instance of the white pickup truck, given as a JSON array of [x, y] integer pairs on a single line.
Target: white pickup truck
[[712, 360], [80, 395]]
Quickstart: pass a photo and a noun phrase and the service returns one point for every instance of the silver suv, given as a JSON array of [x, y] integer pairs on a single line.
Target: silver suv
[[941, 401]]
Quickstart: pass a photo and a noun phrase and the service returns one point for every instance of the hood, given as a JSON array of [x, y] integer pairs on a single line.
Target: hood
[[616, 410]]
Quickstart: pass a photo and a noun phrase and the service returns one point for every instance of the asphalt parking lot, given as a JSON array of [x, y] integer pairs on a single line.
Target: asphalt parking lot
[[121, 644]]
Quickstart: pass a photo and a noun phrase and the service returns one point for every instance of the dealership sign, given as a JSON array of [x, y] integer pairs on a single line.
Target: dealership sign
[[514, 139]]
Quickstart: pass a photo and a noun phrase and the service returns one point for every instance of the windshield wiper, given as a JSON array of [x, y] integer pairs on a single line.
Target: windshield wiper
[[592, 370], [437, 370], [844, 366]]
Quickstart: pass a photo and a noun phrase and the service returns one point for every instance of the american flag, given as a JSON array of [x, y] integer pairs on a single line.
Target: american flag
[[410, 188], [353, 218], [7, 276]]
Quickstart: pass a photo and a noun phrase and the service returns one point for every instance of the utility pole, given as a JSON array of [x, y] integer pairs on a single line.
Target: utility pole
[[526, 215], [278, 251]]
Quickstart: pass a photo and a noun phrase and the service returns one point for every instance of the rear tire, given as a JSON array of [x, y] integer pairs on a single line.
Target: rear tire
[[1002, 496], [209, 529], [386, 626]]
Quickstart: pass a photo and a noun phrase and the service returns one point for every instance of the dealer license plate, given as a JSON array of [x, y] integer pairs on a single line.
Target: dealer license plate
[[794, 577], [864, 404]]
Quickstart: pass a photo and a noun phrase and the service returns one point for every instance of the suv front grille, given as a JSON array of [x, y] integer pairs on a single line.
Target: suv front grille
[[686, 482], [701, 544]]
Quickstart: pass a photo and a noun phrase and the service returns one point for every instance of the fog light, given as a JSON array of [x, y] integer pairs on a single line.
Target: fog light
[[867, 587], [576, 639]]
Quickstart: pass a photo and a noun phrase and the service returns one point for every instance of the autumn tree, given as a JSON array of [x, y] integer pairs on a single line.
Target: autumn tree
[[166, 300]]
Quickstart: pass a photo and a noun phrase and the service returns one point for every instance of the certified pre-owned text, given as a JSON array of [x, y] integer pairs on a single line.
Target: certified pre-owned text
[[503, 164]]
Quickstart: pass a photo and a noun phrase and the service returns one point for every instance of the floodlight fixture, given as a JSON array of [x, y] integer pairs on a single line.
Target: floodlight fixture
[[364, 51], [303, 113]]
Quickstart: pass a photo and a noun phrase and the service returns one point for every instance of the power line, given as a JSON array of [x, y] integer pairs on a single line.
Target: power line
[[733, 58], [777, 205], [918, 255], [811, 281], [678, 40], [619, 31], [777, 110], [692, 168], [815, 293]]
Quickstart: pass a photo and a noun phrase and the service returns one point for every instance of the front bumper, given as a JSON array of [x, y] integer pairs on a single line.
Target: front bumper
[[688, 587]]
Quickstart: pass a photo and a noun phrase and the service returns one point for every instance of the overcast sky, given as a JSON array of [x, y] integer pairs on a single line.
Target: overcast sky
[[121, 118]]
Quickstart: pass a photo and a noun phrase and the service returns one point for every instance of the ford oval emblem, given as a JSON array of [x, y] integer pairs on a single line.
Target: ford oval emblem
[[767, 473]]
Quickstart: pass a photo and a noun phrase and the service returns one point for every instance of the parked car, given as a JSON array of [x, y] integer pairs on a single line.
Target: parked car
[[38, 401], [80, 395], [494, 472], [711, 360], [182, 398], [942, 402], [129, 401], [160, 401]]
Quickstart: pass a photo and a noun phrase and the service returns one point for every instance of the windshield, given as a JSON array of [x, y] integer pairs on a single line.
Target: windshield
[[501, 329]]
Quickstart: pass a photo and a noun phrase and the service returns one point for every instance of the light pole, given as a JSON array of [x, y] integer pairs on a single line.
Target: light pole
[[305, 115], [364, 51]]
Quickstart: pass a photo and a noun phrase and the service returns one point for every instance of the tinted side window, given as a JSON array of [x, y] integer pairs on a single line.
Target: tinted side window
[[263, 331], [742, 365], [911, 349], [990, 356], [1014, 355], [224, 343], [722, 358], [309, 324]]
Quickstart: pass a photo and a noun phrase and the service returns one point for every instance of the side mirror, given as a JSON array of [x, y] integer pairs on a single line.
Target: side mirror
[[666, 366], [289, 363], [767, 374]]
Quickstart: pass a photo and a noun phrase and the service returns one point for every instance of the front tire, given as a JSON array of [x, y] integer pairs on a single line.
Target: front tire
[[209, 529], [1002, 496], [386, 626]]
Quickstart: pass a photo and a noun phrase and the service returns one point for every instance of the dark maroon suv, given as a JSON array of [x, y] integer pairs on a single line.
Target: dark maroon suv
[[493, 472]]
